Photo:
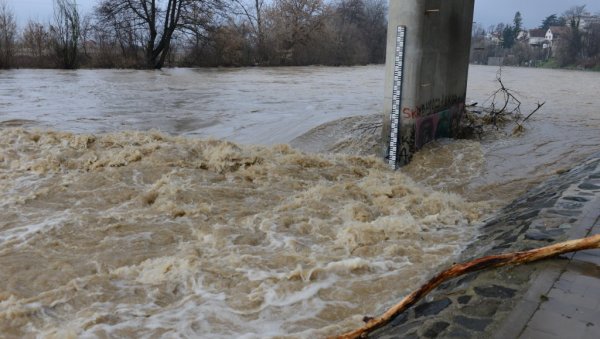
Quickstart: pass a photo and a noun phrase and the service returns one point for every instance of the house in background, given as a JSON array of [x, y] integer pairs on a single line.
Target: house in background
[[537, 38]]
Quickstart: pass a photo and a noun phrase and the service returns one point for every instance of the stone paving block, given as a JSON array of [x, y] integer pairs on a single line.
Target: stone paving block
[[576, 295], [530, 333], [569, 276], [560, 307], [574, 312], [575, 198], [592, 332], [458, 333], [572, 288], [593, 293], [482, 308], [432, 308], [591, 258], [544, 282], [474, 324], [589, 186], [436, 329], [516, 321], [588, 280], [564, 284], [588, 317], [464, 299], [495, 291], [389, 336], [407, 327], [557, 325]]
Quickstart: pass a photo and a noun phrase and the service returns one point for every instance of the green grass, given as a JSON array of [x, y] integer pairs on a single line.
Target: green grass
[[551, 63]]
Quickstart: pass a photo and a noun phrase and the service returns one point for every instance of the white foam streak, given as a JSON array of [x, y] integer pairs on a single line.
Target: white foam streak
[[21, 234]]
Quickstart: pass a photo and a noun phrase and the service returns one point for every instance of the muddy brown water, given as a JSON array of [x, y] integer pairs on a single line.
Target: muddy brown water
[[109, 232]]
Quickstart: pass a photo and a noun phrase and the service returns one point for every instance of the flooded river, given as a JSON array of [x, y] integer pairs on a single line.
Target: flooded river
[[120, 219], [250, 105]]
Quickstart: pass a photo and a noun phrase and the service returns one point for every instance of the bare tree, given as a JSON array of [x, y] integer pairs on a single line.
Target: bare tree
[[349, 43], [118, 31], [592, 41], [35, 39], [573, 16], [252, 11], [376, 29], [157, 20], [360, 28], [65, 33], [85, 33], [8, 32], [155, 33], [294, 24]]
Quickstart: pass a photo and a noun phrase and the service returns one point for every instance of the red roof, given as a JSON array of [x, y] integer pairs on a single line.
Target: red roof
[[537, 33]]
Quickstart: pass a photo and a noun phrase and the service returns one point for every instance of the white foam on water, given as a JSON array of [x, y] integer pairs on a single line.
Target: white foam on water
[[21, 234], [140, 234]]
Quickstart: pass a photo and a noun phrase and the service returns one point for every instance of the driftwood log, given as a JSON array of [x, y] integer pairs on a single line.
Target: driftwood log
[[457, 270]]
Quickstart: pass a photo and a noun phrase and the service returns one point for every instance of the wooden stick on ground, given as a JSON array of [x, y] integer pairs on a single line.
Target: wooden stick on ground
[[457, 270]]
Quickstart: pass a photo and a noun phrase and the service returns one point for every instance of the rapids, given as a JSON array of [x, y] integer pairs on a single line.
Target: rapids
[[141, 234]]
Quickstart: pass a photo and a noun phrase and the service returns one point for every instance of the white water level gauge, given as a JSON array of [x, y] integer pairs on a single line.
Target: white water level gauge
[[397, 98]]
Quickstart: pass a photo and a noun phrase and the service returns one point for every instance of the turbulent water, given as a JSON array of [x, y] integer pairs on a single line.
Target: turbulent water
[[108, 232], [141, 234]]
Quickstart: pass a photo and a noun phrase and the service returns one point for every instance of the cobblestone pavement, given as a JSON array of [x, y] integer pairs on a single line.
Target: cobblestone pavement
[[547, 299]]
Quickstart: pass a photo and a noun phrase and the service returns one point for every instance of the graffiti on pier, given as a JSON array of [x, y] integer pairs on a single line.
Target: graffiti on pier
[[437, 118], [443, 124], [407, 145], [432, 107]]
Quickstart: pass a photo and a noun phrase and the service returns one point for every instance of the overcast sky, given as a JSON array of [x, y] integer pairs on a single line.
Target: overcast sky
[[487, 12]]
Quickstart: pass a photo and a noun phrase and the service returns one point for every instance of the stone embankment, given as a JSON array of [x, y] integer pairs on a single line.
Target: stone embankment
[[512, 302]]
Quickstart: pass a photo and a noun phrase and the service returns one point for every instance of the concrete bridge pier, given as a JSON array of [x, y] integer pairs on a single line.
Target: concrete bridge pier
[[427, 68]]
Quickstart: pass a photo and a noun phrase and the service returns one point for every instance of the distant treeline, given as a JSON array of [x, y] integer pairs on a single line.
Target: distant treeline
[[149, 34], [153, 34]]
